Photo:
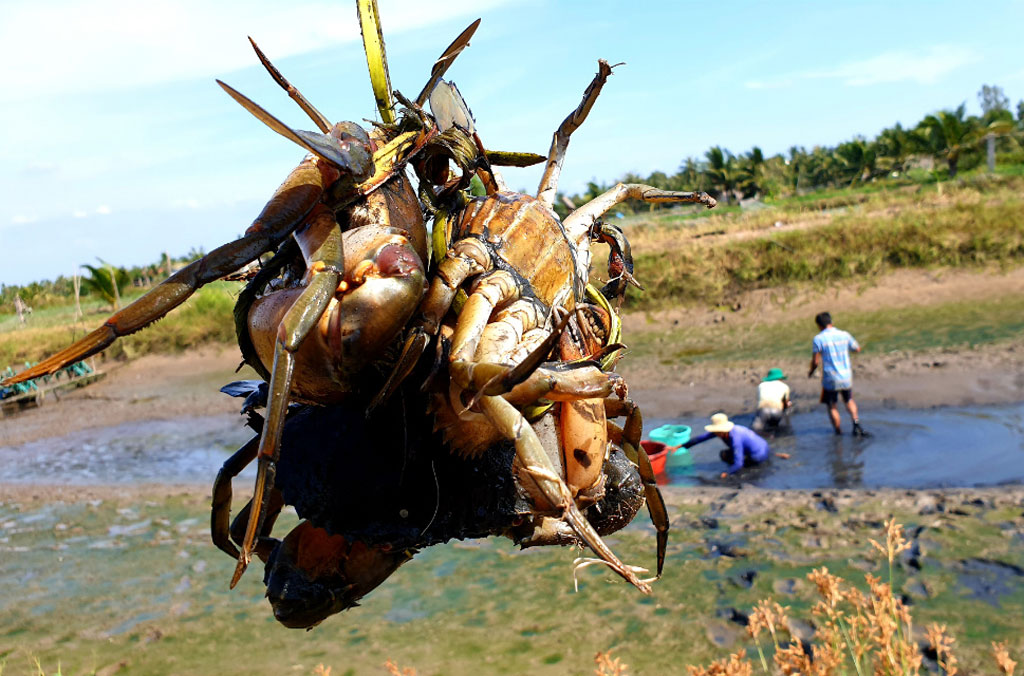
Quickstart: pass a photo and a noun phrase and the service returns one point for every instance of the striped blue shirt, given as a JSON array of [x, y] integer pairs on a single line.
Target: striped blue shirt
[[834, 347]]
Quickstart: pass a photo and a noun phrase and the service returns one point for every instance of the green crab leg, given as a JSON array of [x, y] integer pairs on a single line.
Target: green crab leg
[[376, 58], [445, 61], [220, 507], [324, 146], [585, 216], [325, 268]]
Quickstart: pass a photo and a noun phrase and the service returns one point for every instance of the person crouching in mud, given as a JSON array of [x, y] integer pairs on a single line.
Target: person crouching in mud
[[744, 448], [773, 403]]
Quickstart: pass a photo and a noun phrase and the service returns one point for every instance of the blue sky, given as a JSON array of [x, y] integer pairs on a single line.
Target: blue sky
[[115, 142]]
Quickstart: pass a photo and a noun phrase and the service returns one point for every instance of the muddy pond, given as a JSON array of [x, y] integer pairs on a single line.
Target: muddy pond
[[131, 584], [908, 448], [931, 448]]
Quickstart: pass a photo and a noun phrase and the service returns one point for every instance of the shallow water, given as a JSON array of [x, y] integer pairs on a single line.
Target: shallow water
[[908, 448], [182, 450]]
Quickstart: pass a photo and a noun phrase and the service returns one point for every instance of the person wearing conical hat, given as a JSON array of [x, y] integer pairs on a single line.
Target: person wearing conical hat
[[744, 448], [772, 402]]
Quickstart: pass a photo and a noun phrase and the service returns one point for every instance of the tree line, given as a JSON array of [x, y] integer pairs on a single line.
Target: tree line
[[941, 145]]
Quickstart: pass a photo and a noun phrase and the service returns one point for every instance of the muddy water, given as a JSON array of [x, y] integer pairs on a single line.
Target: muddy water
[[183, 450], [971, 446], [941, 447]]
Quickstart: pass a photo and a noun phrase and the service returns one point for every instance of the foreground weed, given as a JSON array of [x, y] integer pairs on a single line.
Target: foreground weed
[[868, 632], [1006, 665], [394, 669], [608, 665]]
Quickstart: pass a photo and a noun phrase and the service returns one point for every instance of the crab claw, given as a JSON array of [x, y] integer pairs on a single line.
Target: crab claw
[[312, 575]]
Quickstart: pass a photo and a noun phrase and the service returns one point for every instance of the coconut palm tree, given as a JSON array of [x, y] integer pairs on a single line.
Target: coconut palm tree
[[895, 145], [107, 282], [858, 159], [724, 174], [948, 134]]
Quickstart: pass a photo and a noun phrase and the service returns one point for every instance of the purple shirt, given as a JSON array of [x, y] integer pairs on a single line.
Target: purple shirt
[[744, 442]]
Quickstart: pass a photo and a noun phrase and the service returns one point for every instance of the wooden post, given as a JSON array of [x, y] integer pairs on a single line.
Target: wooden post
[[76, 280]]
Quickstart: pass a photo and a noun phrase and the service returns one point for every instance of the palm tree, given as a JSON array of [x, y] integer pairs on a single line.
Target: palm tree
[[858, 158], [753, 168], [947, 134], [895, 144], [724, 175], [107, 282], [690, 175]]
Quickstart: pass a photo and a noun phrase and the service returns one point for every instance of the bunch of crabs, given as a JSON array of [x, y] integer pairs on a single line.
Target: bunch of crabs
[[419, 384]]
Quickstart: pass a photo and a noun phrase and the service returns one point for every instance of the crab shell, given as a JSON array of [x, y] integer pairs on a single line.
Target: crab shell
[[384, 248]]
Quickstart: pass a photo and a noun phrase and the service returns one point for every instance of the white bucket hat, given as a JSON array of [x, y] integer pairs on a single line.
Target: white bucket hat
[[719, 423]]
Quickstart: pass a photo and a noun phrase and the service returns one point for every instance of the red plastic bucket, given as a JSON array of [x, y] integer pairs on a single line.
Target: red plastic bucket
[[658, 454]]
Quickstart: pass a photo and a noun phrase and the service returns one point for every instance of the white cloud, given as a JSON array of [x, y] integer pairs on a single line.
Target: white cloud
[[21, 219], [926, 66], [76, 46], [78, 213], [103, 210]]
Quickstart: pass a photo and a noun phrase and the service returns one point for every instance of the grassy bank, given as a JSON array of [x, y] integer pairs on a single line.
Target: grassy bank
[[133, 586], [959, 324], [203, 318], [964, 228]]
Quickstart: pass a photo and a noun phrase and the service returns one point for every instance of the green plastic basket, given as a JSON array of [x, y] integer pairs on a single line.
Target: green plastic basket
[[671, 435]]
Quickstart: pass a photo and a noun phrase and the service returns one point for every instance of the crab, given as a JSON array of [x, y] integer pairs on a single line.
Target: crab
[[524, 273], [372, 492]]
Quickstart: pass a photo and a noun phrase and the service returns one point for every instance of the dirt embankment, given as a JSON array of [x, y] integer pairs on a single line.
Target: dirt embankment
[[949, 376]]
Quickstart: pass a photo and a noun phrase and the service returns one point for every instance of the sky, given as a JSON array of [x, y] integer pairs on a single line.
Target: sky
[[116, 143]]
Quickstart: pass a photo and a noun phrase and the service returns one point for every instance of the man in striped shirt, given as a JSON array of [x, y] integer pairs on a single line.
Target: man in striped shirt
[[831, 352]]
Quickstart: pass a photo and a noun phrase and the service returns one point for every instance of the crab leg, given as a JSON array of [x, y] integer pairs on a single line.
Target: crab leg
[[467, 257], [630, 435], [287, 208], [535, 463], [220, 507], [318, 118], [560, 141], [445, 61], [595, 208], [325, 268]]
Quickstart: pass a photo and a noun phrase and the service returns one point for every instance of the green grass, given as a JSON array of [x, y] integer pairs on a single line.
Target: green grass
[[204, 318], [911, 328], [853, 245]]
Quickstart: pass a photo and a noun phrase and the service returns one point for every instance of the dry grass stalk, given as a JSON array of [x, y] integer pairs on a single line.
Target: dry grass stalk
[[321, 670], [608, 665], [942, 644], [394, 670], [1006, 665], [733, 665]]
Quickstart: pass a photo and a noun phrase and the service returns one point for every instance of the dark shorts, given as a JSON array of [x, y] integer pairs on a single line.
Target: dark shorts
[[728, 457], [830, 397]]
